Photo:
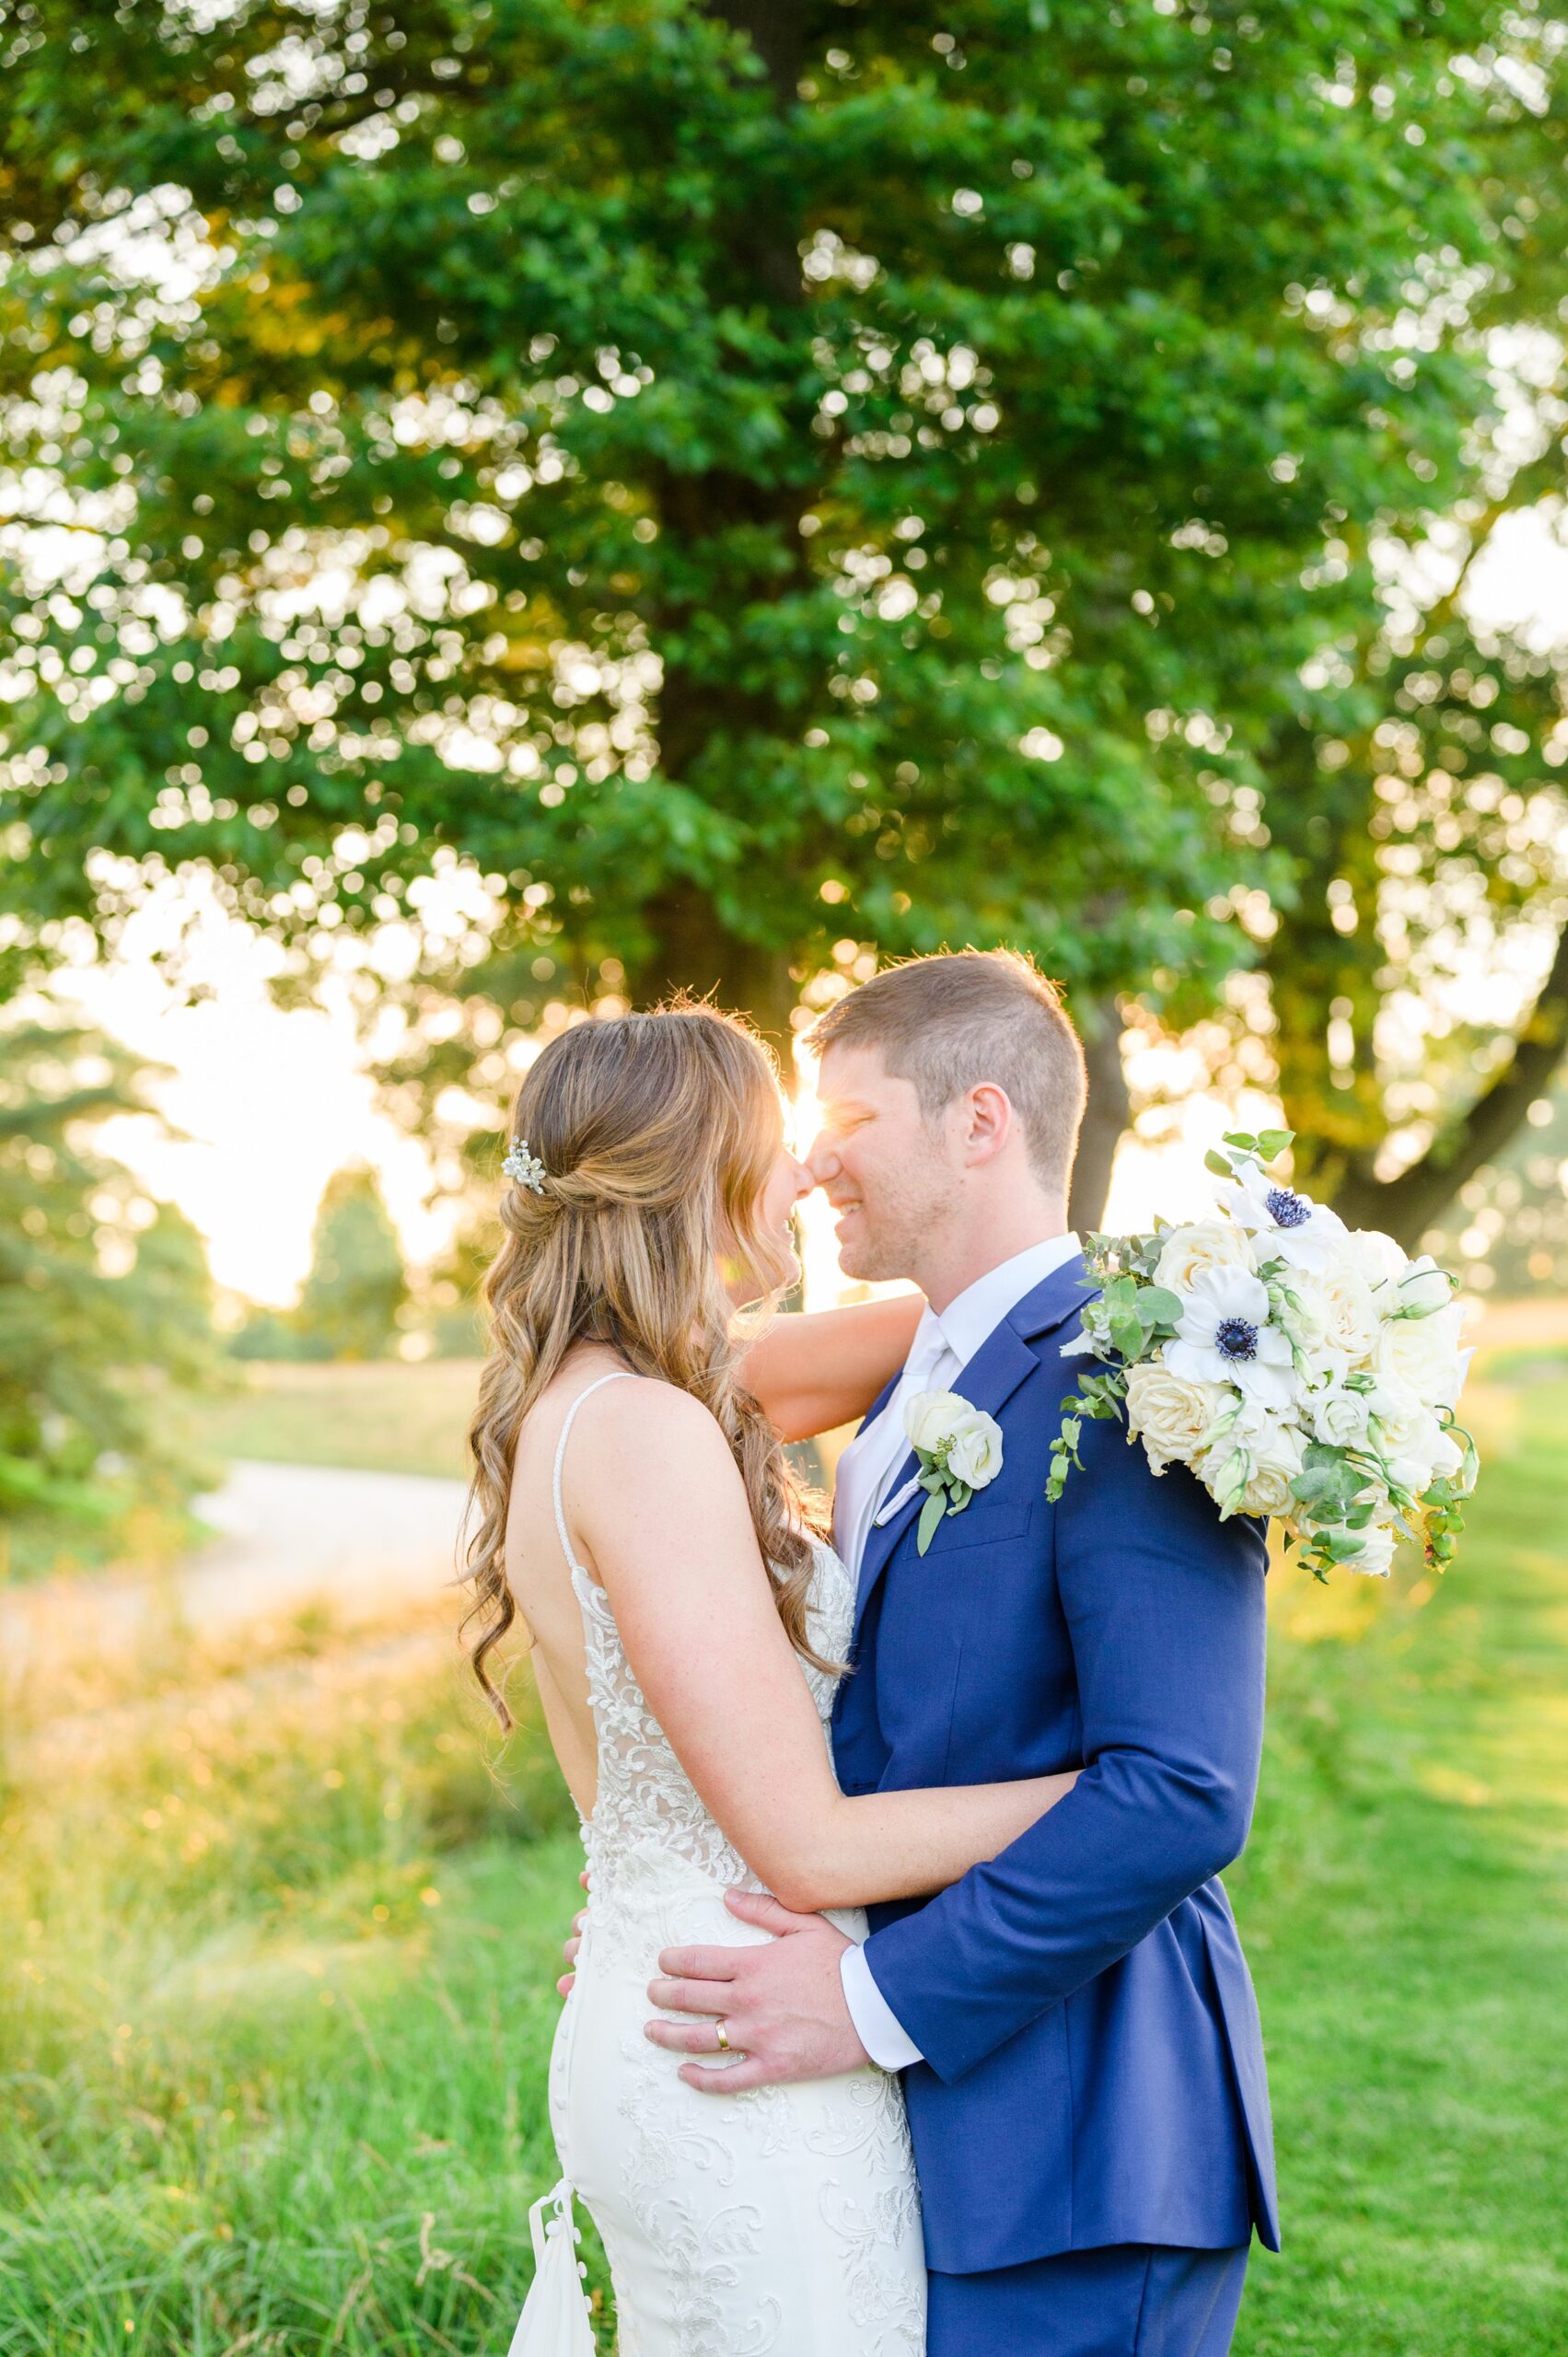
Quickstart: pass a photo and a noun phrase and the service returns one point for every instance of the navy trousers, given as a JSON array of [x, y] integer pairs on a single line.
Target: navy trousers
[[1126, 2300]]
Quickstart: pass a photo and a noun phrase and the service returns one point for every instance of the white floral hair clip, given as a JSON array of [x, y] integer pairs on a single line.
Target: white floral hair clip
[[524, 1167]]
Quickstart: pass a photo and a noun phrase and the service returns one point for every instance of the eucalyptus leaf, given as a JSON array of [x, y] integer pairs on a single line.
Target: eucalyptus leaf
[[1127, 1333], [931, 1515]]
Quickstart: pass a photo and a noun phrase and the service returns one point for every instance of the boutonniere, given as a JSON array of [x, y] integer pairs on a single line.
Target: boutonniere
[[959, 1451]]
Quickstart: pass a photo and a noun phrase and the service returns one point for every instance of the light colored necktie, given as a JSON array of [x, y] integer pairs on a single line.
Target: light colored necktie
[[868, 1466]]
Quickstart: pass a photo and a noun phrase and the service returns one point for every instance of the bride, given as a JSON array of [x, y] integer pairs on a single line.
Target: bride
[[688, 1624]]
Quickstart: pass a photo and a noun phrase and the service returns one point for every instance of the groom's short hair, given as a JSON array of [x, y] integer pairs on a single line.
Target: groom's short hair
[[950, 1021]]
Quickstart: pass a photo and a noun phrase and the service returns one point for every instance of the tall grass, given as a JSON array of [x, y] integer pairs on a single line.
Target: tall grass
[[276, 1980], [278, 2004], [384, 1416]]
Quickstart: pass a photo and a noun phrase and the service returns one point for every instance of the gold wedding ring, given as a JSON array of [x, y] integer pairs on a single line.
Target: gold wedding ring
[[722, 2034]]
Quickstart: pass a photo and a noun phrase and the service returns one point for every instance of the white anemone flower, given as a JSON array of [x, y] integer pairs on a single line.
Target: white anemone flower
[[1225, 1336], [1285, 1225]]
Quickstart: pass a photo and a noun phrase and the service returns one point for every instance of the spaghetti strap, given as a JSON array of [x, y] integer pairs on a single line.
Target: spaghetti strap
[[615, 1375]]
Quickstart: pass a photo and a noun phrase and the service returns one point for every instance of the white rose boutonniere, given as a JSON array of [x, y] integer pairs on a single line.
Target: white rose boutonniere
[[959, 1450]]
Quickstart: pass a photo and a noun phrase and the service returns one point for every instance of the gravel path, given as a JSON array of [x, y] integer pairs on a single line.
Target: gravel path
[[288, 1536]]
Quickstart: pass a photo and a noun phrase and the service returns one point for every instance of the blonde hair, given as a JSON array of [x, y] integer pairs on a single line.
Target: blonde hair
[[658, 1134], [949, 1022]]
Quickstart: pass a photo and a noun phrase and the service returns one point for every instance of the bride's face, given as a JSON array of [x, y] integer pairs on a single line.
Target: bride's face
[[787, 1182]]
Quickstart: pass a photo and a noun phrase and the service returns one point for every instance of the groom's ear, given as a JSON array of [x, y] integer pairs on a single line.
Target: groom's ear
[[985, 1122]]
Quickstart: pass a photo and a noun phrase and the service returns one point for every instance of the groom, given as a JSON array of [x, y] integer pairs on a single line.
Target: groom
[[1073, 2020]]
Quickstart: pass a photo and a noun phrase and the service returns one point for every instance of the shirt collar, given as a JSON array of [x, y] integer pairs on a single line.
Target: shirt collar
[[975, 1314]]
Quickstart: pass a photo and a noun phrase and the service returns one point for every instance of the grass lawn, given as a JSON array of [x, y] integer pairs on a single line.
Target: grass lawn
[[1403, 1902], [384, 1415], [276, 1990]]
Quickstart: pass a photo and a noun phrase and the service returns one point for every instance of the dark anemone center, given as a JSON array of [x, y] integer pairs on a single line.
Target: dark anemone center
[[1286, 1209], [1237, 1338]]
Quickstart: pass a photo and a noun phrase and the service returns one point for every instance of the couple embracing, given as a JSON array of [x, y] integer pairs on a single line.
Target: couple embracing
[[909, 2013]]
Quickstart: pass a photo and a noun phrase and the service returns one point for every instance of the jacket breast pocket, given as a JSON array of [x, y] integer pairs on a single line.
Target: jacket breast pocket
[[984, 1522]]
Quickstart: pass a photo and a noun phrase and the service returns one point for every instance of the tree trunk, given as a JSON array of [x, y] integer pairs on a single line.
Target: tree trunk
[[698, 955], [1105, 1115], [694, 950]]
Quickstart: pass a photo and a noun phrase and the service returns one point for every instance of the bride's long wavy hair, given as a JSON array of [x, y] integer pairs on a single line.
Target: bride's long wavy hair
[[658, 1134]]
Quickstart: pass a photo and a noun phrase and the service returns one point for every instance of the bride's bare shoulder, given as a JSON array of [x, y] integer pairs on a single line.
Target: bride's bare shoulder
[[646, 1437], [646, 1407]]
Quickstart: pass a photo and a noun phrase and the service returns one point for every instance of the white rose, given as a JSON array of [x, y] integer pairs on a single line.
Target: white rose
[[1418, 1436], [1425, 1286], [1424, 1353], [1173, 1414], [1375, 1257], [1376, 1552], [1274, 1460], [974, 1452], [1339, 1417], [1393, 1400], [1339, 1301], [1408, 1436], [1410, 1473], [932, 1418], [1204, 1243]]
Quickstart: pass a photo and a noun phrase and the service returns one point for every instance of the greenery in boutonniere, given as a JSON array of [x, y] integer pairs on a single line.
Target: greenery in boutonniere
[[960, 1449]]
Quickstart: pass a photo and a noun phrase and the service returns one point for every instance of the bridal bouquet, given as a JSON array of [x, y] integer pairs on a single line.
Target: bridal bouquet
[[1300, 1368]]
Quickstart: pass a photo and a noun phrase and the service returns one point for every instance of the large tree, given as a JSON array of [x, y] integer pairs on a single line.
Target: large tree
[[759, 483]]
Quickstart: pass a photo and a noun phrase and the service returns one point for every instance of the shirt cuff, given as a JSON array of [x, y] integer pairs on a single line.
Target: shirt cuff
[[876, 2024]]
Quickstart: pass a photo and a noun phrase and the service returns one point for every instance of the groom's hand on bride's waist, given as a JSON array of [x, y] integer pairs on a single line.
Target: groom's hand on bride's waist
[[781, 2004]]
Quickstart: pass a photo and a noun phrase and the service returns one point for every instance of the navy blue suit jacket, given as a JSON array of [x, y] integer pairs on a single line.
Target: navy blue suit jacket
[[1093, 2065]]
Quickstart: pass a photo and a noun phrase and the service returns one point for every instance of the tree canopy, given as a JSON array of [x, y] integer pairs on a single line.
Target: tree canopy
[[105, 1336], [356, 1285], [768, 484]]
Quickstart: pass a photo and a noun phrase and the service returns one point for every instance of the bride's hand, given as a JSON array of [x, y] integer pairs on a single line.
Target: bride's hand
[[569, 1947]]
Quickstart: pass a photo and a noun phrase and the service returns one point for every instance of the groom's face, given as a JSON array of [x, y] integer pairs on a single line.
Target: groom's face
[[881, 1165]]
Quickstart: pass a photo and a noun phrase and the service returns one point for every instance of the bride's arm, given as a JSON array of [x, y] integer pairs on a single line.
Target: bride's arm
[[654, 1495], [815, 1369]]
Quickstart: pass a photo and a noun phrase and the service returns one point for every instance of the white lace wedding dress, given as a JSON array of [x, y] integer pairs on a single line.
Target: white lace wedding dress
[[783, 2221]]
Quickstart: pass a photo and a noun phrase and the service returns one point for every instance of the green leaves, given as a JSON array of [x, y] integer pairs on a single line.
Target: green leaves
[[1327, 1484], [1266, 1146], [1098, 1400], [1134, 1312], [947, 1492], [716, 511], [931, 1514]]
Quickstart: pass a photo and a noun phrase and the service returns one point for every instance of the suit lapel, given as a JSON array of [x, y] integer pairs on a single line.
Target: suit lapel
[[1002, 1361]]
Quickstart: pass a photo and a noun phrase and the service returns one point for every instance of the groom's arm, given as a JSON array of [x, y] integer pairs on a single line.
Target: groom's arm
[[1164, 1606]]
